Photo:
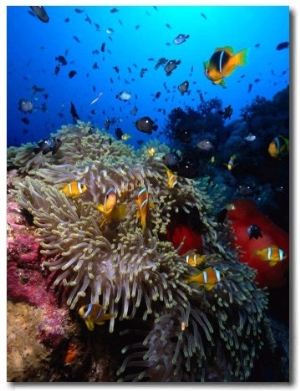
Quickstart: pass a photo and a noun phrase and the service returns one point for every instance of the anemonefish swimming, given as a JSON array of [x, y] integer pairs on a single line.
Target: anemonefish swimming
[[231, 164], [194, 259], [207, 278], [172, 179], [94, 314], [279, 147], [272, 254], [74, 189], [109, 207], [143, 206], [223, 63]]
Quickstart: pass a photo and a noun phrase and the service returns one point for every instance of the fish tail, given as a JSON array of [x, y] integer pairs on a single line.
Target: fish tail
[[241, 57]]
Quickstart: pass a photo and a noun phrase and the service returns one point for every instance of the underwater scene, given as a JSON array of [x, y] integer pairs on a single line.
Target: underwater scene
[[148, 193]]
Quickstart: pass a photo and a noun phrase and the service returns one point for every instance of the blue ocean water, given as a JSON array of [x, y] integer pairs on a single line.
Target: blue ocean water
[[133, 38]]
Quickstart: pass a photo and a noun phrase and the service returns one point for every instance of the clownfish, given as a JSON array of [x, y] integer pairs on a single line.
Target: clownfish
[[272, 254], [94, 314], [279, 147], [223, 63], [109, 208], [172, 179], [231, 164], [74, 189], [143, 206], [207, 278], [194, 259]]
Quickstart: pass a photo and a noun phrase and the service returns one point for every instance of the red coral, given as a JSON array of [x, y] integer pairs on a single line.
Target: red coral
[[243, 213]]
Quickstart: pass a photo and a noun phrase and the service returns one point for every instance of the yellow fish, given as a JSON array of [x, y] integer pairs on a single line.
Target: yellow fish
[[223, 63], [194, 259], [94, 314], [231, 164], [207, 278], [272, 254], [172, 179], [109, 209], [74, 189], [125, 136], [151, 151]]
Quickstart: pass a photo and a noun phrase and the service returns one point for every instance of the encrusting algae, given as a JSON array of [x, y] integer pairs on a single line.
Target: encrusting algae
[[123, 263]]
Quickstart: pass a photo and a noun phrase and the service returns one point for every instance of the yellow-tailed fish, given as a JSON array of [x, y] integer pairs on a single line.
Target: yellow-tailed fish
[[223, 63], [172, 179], [272, 254], [231, 164], [94, 314], [74, 189], [207, 278]]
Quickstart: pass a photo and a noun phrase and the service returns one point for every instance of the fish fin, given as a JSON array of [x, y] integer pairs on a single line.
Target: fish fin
[[119, 213], [241, 57], [228, 49], [209, 287], [273, 263], [100, 207], [89, 324], [220, 82]]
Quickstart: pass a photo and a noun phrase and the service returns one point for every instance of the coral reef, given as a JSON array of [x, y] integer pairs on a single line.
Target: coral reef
[[166, 328]]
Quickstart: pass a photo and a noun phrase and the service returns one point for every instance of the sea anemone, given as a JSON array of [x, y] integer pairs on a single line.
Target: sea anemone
[[190, 333]]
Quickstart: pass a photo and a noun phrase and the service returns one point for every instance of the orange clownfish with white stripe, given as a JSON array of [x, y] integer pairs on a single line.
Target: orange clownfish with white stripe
[[143, 206], [74, 189], [109, 207], [272, 254], [207, 278], [194, 259], [94, 314], [172, 179]]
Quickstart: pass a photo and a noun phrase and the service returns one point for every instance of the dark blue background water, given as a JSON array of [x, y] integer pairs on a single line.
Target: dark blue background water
[[139, 33]]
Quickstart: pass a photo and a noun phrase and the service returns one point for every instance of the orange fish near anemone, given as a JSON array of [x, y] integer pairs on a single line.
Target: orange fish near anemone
[[244, 213], [207, 278], [74, 189]]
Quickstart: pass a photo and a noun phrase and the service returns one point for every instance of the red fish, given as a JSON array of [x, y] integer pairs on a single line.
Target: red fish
[[241, 214]]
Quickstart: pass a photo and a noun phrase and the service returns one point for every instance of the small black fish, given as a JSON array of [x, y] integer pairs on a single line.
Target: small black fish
[[203, 16], [143, 70], [57, 69], [254, 231], [25, 120], [95, 65], [79, 11], [119, 133], [116, 69], [145, 125], [35, 89], [72, 74], [157, 95], [160, 62], [41, 13], [61, 59], [103, 47], [113, 10], [88, 19], [76, 38], [170, 66], [183, 87], [74, 112], [67, 20], [250, 87], [107, 123], [47, 145], [167, 25], [282, 45]]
